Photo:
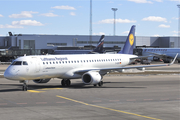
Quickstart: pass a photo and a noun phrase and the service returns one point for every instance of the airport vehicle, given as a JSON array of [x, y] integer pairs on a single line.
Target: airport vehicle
[[90, 67], [98, 49], [166, 54]]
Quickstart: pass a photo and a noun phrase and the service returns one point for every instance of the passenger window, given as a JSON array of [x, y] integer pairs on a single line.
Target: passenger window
[[53, 62], [43, 63], [63, 62], [56, 62], [69, 61], [59, 62], [46, 62], [66, 61], [74, 61]]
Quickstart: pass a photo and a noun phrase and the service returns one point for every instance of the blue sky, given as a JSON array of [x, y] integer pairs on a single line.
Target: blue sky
[[72, 17]]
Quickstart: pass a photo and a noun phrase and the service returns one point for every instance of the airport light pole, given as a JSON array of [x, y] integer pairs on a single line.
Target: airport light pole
[[90, 28], [179, 27], [114, 9]]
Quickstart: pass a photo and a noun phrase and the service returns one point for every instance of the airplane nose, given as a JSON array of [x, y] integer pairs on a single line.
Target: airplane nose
[[7, 74]]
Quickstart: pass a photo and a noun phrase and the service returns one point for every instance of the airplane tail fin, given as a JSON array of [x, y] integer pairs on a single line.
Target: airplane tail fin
[[99, 47], [130, 42]]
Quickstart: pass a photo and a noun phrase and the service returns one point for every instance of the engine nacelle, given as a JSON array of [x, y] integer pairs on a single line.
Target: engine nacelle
[[42, 80], [91, 78], [142, 69]]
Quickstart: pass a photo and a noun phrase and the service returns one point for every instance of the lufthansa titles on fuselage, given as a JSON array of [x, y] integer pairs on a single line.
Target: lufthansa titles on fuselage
[[53, 59]]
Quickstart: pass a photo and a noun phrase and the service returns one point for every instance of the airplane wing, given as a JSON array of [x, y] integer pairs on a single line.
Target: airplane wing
[[119, 68], [157, 54]]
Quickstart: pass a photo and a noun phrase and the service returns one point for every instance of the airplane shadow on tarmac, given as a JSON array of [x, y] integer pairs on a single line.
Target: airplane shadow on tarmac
[[18, 87]]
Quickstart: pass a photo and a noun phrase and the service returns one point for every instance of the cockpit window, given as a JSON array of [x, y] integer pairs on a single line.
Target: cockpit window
[[25, 63], [17, 63]]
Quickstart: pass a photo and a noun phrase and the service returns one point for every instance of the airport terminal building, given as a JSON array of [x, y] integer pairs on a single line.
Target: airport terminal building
[[20, 44]]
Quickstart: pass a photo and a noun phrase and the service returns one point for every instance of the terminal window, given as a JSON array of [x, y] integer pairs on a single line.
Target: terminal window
[[29, 44]]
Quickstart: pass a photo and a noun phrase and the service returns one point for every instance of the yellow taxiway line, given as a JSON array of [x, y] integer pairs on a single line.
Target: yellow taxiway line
[[120, 111]]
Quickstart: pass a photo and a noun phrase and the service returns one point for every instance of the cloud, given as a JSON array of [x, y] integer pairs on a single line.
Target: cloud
[[111, 21], [174, 18], [10, 26], [49, 15], [141, 1], [73, 13], [175, 0], [158, 0], [1, 15], [154, 19], [156, 35], [23, 14], [164, 26], [100, 33], [175, 31], [125, 32], [64, 7], [27, 22]]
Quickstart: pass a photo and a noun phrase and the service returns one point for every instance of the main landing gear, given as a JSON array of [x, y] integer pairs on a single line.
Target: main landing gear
[[65, 82], [99, 84]]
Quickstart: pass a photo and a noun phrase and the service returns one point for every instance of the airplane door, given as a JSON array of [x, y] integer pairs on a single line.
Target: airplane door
[[37, 64]]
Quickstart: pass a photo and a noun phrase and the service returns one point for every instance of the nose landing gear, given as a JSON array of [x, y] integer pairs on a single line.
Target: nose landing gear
[[25, 86]]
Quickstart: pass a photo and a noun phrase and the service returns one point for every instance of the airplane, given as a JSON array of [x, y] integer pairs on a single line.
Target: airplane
[[89, 67], [98, 49], [166, 54]]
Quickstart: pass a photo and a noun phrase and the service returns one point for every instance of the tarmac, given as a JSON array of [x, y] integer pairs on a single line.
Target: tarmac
[[125, 96]]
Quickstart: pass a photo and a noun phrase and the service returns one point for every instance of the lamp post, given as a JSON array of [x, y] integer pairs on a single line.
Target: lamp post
[[114, 9], [179, 27], [90, 28]]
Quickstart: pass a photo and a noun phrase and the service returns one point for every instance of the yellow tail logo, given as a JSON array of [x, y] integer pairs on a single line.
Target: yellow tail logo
[[131, 39]]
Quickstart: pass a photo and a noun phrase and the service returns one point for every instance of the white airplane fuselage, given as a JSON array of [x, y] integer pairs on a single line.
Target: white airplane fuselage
[[62, 66]]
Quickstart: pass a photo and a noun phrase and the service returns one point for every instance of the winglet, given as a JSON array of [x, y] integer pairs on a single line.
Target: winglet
[[173, 60]]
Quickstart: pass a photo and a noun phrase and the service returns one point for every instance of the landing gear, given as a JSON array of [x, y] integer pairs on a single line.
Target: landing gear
[[25, 86], [65, 82], [100, 83]]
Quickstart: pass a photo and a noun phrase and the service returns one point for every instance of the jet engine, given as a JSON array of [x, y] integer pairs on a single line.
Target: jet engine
[[42, 80], [91, 78]]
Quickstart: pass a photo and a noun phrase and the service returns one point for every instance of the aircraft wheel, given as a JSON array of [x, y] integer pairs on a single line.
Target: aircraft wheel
[[25, 87], [95, 85], [63, 83], [68, 82], [100, 83]]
